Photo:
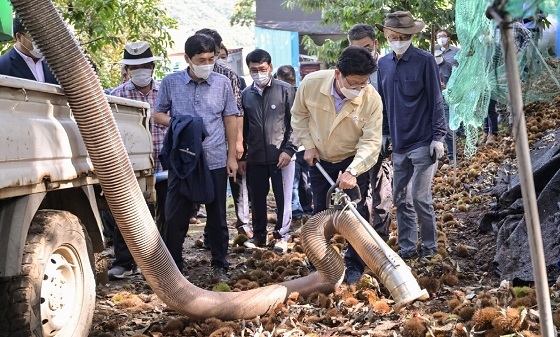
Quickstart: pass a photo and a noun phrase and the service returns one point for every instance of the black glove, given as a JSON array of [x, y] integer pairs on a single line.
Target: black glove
[[386, 146]]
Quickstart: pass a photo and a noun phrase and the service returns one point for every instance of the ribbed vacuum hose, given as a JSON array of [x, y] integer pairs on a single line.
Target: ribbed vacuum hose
[[114, 171], [398, 280]]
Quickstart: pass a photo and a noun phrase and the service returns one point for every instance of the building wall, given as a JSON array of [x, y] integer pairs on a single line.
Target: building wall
[[282, 45]]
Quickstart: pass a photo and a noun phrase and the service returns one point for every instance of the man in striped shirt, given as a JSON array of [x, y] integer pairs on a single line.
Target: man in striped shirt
[[139, 63]]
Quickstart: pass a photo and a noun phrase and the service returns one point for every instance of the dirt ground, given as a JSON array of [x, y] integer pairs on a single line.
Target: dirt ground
[[465, 294]]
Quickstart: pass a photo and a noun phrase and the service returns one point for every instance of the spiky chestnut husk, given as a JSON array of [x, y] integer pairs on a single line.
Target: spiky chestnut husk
[[482, 319], [414, 327]]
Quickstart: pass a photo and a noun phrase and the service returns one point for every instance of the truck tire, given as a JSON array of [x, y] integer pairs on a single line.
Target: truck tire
[[55, 293]]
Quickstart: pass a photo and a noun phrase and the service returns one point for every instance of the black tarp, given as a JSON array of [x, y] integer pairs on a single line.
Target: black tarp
[[513, 259]]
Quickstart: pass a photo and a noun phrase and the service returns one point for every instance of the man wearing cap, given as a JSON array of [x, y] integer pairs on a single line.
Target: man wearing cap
[[409, 86], [202, 93], [25, 60], [337, 117], [138, 61]]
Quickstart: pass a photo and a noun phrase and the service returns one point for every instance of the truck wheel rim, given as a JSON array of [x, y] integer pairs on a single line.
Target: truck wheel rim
[[59, 290]]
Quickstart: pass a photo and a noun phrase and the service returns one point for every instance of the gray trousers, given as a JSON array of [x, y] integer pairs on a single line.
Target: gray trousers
[[412, 196]]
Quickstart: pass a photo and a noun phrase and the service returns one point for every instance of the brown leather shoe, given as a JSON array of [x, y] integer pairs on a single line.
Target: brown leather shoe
[[491, 139], [482, 140]]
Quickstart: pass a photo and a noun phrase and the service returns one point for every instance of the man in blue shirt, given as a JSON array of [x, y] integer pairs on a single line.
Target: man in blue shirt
[[409, 86], [199, 92]]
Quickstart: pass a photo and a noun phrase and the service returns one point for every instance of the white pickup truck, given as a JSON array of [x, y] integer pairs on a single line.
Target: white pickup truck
[[50, 226]]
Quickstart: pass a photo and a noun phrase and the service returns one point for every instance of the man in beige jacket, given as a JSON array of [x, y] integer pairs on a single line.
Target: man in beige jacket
[[337, 117]]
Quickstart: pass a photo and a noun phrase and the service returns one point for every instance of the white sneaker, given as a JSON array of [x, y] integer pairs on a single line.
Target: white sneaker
[[281, 246], [255, 242], [249, 244]]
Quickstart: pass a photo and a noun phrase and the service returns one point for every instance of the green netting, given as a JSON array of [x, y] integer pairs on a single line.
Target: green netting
[[467, 95], [523, 8], [481, 73]]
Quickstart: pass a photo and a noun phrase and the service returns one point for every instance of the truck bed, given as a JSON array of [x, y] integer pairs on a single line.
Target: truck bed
[[41, 147]]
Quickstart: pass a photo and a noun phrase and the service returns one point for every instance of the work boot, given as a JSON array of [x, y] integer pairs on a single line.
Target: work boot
[[483, 139]]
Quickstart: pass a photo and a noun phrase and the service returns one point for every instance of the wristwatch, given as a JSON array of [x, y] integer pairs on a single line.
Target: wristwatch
[[352, 171]]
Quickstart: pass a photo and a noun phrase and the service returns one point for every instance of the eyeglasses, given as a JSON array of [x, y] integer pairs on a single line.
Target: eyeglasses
[[358, 85], [258, 70], [393, 38]]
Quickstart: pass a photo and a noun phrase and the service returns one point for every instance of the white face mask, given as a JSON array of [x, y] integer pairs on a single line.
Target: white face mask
[[141, 77], [399, 47], [202, 71], [222, 62], [442, 41], [35, 52], [350, 93], [261, 79]]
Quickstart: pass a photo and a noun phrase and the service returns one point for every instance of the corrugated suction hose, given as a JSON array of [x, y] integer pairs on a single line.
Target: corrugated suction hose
[[114, 171]]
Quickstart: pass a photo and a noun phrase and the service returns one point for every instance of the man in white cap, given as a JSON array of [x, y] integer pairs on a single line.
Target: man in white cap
[[409, 86], [138, 61]]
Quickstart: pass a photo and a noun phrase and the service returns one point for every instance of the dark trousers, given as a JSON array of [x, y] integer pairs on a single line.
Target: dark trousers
[[258, 177], [123, 257], [320, 186], [178, 210], [491, 122], [381, 210], [449, 134], [161, 197]]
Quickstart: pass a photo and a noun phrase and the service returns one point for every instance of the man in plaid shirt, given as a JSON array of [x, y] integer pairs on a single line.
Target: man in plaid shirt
[[139, 63]]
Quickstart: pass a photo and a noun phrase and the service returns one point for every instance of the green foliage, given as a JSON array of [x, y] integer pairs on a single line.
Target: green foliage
[[522, 291], [221, 287], [347, 13], [103, 27], [328, 52], [243, 13]]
